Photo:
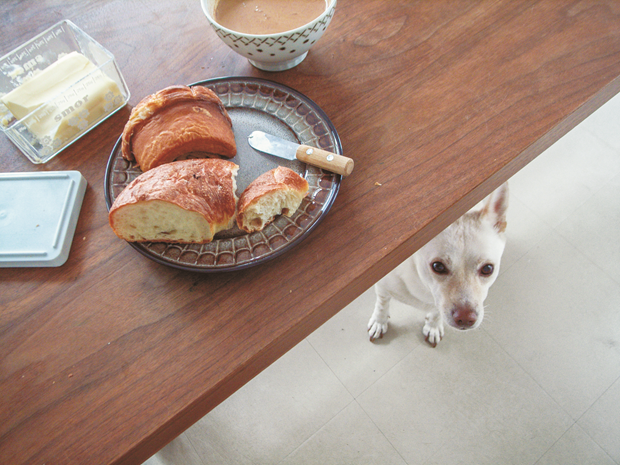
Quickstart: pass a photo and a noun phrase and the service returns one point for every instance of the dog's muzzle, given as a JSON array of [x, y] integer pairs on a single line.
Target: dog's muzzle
[[464, 317]]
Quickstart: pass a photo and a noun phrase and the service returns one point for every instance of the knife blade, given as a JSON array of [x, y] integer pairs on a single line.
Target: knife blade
[[288, 150]]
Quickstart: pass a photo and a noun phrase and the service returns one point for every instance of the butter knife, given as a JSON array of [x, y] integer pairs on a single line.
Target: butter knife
[[282, 148]]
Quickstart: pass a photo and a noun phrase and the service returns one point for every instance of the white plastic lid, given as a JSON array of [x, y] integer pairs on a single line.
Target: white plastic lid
[[38, 215]]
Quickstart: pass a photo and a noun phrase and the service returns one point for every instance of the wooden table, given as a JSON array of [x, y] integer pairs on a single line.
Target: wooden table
[[110, 356]]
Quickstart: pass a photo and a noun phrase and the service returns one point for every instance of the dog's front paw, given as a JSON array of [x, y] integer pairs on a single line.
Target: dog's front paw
[[377, 328], [433, 329]]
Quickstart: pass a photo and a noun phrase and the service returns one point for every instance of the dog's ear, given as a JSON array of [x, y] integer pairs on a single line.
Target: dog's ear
[[495, 207]]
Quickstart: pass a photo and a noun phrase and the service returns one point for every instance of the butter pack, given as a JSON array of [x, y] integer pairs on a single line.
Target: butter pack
[[56, 88]]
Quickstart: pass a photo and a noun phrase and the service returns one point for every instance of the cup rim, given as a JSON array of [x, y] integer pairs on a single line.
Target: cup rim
[[205, 10]]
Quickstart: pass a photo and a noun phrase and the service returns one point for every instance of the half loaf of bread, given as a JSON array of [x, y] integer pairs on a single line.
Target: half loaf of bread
[[185, 201], [279, 191], [175, 122]]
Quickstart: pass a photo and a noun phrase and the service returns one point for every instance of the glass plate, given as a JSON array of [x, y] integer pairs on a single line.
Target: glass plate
[[252, 104]]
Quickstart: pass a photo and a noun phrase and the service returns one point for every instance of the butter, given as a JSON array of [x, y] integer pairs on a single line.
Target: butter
[[67, 98]]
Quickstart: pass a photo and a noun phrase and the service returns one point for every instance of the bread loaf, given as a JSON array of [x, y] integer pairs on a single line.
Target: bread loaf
[[175, 122], [186, 201], [279, 191]]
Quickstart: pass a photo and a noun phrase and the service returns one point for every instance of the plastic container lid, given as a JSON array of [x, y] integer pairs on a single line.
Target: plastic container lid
[[38, 215]]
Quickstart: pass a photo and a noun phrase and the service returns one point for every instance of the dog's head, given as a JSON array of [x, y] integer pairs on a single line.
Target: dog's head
[[460, 264]]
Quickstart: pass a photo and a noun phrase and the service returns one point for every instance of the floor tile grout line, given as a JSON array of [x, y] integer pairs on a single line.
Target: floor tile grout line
[[525, 371], [547, 223], [375, 381], [307, 339], [537, 462], [381, 431], [409, 354], [564, 434], [550, 397], [330, 368], [578, 247], [316, 432], [590, 260], [601, 139], [355, 399], [617, 380], [191, 443]]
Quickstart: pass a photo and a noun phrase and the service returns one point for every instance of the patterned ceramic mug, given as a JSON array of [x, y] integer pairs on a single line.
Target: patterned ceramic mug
[[273, 52]]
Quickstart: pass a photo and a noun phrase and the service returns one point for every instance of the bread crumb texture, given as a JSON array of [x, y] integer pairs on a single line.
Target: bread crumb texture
[[279, 191], [186, 201]]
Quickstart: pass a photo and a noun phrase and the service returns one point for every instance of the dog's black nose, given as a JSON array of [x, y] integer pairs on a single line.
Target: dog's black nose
[[464, 317]]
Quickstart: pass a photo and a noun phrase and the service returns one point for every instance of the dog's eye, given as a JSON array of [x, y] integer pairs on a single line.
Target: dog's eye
[[486, 270], [439, 268]]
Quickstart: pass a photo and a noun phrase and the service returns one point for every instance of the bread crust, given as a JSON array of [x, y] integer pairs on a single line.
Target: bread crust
[[277, 179], [174, 122], [204, 186]]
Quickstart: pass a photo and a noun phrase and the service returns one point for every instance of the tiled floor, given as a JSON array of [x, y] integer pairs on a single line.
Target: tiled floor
[[538, 383]]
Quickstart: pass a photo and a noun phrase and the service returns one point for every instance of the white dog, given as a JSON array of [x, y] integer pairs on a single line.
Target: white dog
[[450, 276]]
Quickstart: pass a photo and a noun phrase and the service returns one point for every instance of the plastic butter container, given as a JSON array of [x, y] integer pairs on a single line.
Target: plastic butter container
[[55, 88], [38, 215]]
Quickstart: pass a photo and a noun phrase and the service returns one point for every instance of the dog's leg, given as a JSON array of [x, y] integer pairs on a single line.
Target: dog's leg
[[433, 328], [378, 323]]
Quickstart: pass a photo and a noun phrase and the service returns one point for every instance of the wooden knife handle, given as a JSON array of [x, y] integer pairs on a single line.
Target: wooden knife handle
[[325, 160]]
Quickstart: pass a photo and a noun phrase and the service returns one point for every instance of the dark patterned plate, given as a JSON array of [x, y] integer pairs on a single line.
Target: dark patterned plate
[[252, 104]]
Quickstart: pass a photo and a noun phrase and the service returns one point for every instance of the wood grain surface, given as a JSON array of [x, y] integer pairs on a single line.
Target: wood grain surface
[[110, 356]]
